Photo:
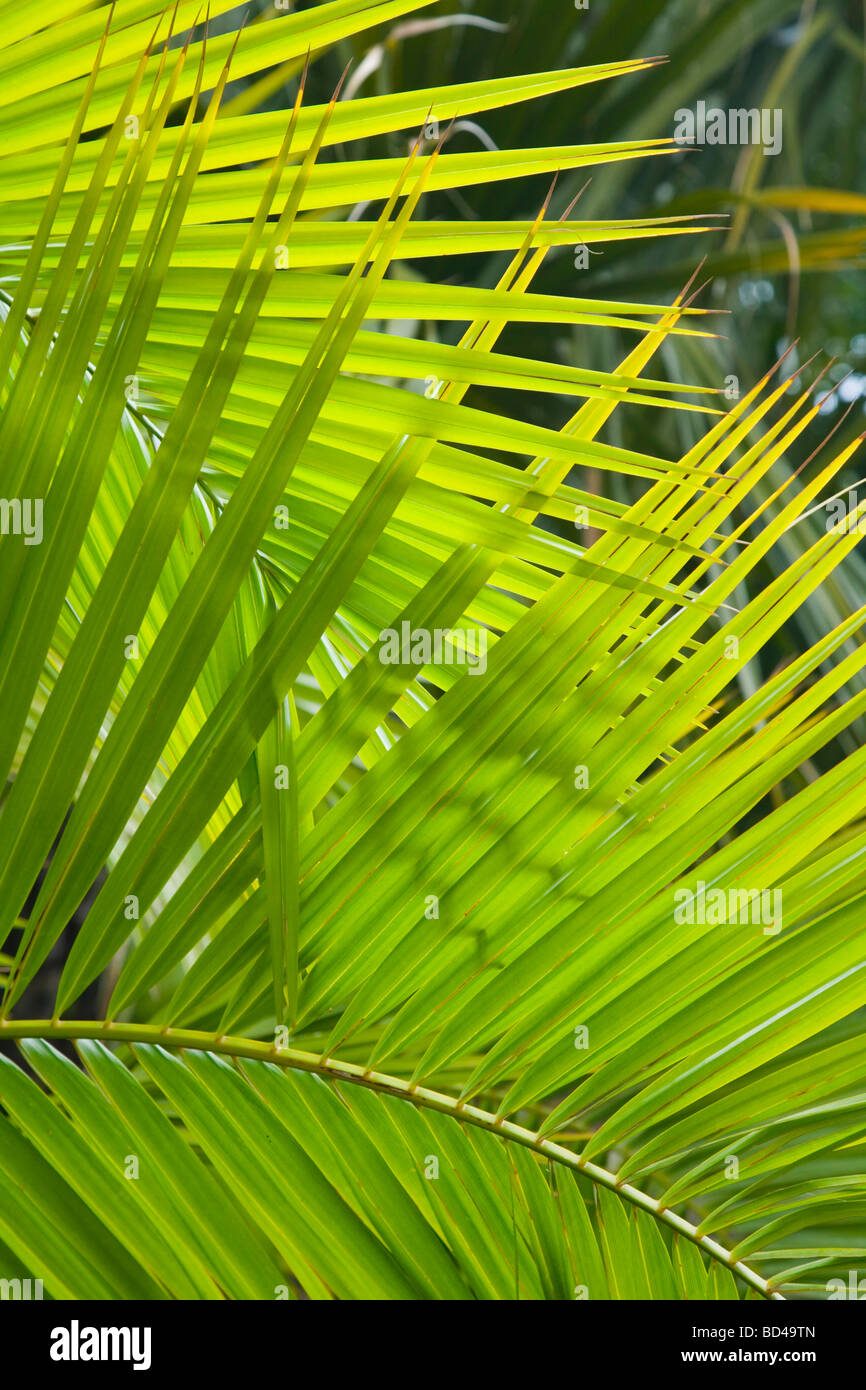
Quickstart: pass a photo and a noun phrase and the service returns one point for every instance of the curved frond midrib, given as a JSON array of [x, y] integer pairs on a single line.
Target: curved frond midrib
[[249, 1049]]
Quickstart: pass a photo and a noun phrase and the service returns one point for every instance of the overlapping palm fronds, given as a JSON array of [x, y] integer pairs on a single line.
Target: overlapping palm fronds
[[413, 978]]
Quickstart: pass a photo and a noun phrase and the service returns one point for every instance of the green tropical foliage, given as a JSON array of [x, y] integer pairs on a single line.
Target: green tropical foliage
[[325, 975]]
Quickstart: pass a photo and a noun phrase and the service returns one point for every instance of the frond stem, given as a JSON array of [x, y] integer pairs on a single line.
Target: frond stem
[[295, 1060]]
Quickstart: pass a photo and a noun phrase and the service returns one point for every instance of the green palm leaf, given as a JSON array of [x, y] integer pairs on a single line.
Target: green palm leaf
[[396, 978]]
